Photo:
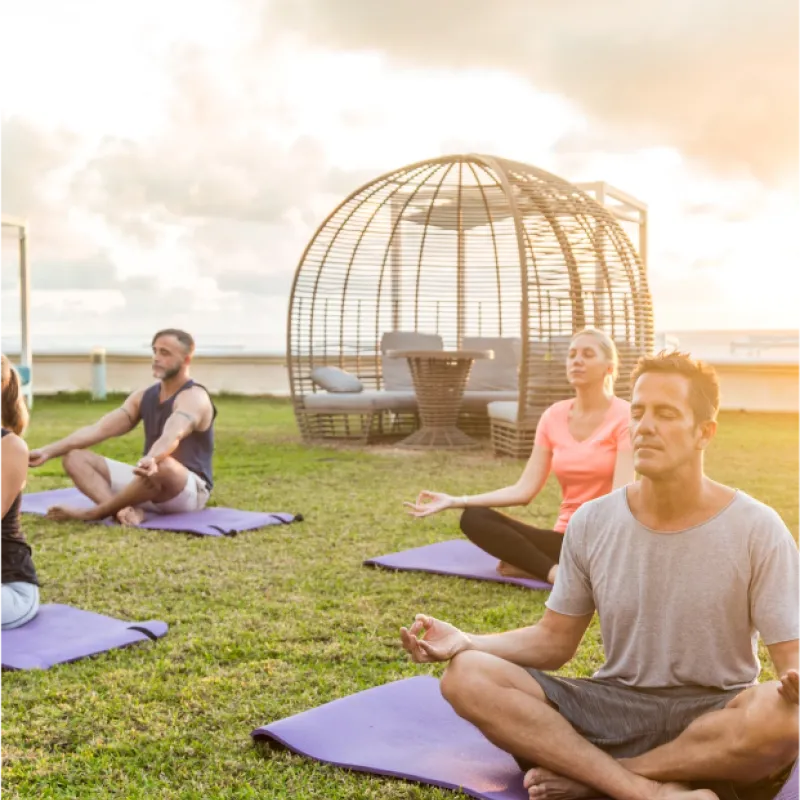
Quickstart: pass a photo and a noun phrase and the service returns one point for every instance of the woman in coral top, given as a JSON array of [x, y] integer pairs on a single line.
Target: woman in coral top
[[583, 440]]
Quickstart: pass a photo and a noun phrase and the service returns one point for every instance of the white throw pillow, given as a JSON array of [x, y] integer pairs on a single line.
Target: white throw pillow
[[333, 379]]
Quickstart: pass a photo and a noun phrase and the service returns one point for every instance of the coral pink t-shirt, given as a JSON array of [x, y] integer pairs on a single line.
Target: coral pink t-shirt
[[584, 469]]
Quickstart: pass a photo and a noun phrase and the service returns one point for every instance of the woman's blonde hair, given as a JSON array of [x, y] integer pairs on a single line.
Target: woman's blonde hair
[[609, 350], [14, 411]]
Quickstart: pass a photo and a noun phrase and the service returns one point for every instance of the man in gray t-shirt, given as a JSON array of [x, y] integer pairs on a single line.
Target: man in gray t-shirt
[[685, 573], [682, 608]]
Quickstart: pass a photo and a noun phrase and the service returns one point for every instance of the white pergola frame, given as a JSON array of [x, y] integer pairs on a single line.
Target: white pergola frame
[[624, 207], [25, 354]]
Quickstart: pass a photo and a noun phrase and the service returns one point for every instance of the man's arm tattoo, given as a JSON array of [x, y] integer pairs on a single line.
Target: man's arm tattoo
[[127, 414], [188, 416]]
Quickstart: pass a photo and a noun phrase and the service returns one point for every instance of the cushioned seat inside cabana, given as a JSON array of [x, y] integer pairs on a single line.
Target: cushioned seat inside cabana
[[501, 372]]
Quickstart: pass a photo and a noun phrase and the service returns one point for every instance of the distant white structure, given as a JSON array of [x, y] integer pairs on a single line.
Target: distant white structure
[[758, 370], [739, 346], [666, 341]]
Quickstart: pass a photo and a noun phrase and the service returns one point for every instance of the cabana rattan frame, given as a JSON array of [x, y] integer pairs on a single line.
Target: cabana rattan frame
[[466, 245]]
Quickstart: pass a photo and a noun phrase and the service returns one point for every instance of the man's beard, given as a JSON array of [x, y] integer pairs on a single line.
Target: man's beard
[[170, 373]]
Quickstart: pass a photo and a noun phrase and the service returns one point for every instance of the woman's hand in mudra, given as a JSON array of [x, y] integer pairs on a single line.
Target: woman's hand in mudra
[[430, 503]]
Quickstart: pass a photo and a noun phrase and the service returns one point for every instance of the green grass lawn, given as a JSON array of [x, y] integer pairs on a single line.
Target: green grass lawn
[[276, 621]]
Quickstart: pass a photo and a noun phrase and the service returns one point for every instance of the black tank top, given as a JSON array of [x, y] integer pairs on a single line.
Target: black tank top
[[16, 552], [196, 450]]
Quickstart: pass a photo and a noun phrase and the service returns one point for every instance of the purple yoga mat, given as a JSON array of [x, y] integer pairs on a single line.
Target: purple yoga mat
[[407, 730], [59, 633], [208, 522], [458, 557]]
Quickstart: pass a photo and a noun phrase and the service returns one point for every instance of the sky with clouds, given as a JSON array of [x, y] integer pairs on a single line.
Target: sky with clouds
[[175, 158]]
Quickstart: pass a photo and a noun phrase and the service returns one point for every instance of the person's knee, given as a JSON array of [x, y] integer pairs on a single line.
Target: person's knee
[[769, 731], [153, 483], [464, 676], [74, 461], [470, 678], [474, 519]]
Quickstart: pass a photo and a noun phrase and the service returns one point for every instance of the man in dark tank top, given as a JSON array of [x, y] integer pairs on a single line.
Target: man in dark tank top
[[174, 474]]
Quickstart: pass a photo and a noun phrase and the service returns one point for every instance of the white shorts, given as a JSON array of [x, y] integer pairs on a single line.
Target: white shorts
[[193, 497]]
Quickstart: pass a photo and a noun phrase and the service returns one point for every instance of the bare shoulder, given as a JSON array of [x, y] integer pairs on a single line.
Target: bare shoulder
[[195, 403], [134, 399], [196, 396], [14, 447]]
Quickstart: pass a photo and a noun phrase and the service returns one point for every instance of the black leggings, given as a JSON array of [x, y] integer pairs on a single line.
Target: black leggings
[[535, 550]]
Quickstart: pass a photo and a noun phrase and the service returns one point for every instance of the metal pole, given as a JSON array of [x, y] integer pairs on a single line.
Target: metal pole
[[98, 357], [25, 308], [395, 261]]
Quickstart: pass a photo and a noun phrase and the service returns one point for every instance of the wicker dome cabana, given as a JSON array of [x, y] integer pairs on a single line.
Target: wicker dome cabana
[[448, 250]]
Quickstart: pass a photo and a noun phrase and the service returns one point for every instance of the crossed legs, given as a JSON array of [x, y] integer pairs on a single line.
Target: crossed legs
[[524, 551], [753, 737], [89, 472]]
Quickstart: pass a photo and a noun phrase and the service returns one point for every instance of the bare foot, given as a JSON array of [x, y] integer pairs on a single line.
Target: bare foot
[[510, 571], [66, 513], [677, 791], [130, 516], [542, 784]]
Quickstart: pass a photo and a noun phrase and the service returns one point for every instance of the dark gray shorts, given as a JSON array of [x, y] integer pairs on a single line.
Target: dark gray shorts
[[625, 721]]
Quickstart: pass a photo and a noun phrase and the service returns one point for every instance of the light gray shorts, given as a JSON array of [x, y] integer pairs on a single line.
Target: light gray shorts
[[193, 496], [626, 721], [20, 603]]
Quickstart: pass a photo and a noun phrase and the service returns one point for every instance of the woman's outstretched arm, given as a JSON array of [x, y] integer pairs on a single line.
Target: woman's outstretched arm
[[521, 493]]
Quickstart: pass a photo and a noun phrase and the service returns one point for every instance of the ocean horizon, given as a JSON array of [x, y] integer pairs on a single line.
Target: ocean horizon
[[222, 344], [135, 345]]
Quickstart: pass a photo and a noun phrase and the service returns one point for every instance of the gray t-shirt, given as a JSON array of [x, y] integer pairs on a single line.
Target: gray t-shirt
[[681, 608]]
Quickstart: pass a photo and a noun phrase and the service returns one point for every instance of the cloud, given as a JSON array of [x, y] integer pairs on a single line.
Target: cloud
[[96, 273], [199, 215], [8, 277], [219, 155], [199, 223], [127, 316], [717, 79], [224, 184], [36, 166], [62, 255], [32, 156], [225, 177]]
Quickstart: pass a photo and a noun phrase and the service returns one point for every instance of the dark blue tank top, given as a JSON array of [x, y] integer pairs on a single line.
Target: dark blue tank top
[[17, 559], [196, 450]]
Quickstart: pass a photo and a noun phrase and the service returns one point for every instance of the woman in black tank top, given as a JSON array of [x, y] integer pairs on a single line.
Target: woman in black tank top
[[20, 598]]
